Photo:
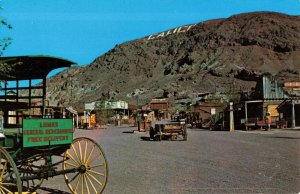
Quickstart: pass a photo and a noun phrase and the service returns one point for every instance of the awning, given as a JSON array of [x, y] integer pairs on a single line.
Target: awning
[[73, 111], [30, 67]]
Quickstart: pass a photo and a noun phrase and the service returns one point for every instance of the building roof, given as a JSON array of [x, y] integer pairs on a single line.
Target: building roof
[[30, 67], [268, 88], [158, 100], [211, 104], [292, 88], [132, 107]]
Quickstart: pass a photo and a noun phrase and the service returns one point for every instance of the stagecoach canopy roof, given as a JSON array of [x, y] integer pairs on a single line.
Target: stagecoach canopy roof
[[29, 67]]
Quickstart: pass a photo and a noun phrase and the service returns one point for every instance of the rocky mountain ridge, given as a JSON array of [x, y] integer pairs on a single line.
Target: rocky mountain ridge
[[222, 55]]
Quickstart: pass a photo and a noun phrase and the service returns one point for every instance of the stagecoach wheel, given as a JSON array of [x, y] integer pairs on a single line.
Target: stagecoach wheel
[[88, 158], [26, 168], [10, 181]]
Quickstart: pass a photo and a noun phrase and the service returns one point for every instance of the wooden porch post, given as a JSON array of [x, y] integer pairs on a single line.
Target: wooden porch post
[[293, 114]]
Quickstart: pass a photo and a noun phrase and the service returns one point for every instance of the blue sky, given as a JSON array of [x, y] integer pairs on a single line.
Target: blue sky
[[81, 30]]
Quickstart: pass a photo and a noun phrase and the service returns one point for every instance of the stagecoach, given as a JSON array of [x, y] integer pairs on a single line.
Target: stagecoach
[[35, 145]]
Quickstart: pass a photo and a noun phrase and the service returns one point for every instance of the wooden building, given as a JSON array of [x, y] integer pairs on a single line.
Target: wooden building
[[160, 106], [275, 99], [103, 112]]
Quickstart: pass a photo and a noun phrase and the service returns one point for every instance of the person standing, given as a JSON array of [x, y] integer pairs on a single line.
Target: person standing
[[268, 121]]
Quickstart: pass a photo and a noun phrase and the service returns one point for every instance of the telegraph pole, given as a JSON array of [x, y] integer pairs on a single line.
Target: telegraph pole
[[231, 117]]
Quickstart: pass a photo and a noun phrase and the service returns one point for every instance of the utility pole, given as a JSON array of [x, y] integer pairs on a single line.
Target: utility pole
[[231, 117]]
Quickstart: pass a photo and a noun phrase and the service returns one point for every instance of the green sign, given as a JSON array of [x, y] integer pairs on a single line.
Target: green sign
[[43, 132]]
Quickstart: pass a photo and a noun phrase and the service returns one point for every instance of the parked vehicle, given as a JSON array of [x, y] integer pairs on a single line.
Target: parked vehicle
[[169, 130]]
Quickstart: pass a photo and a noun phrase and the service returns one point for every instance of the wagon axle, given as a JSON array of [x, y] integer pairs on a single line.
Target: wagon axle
[[82, 169], [49, 174]]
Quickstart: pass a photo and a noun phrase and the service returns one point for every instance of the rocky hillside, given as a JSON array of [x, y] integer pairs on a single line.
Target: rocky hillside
[[220, 55]]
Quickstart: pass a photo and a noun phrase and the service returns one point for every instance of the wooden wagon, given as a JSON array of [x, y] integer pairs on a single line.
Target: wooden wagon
[[35, 146]]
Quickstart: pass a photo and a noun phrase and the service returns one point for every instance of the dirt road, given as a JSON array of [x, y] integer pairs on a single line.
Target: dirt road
[[208, 162]]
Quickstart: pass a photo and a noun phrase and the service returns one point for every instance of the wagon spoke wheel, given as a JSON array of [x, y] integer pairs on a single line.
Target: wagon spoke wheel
[[87, 157], [26, 169], [9, 176]]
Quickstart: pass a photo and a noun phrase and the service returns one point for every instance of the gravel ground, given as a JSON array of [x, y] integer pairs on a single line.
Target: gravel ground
[[208, 162]]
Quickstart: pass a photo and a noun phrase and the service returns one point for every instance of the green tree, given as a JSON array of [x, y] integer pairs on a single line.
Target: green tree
[[4, 42], [104, 111]]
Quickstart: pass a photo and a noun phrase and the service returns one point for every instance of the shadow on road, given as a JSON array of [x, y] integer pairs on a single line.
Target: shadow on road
[[145, 138], [199, 129], [53, 191], [131, 131], [282, 137]]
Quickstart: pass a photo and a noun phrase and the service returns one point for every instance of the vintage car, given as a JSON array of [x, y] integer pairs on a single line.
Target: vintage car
[[168, 130]]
